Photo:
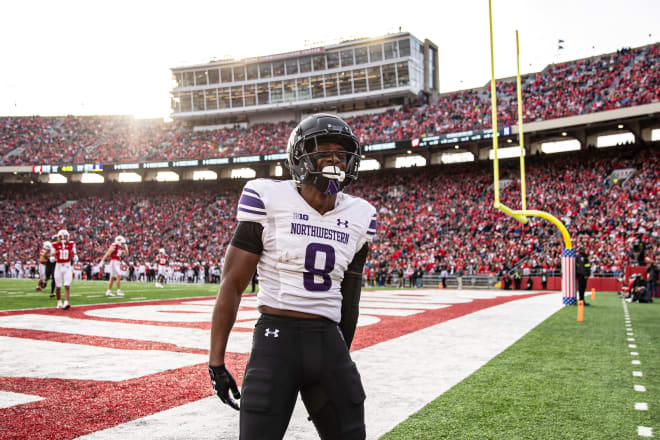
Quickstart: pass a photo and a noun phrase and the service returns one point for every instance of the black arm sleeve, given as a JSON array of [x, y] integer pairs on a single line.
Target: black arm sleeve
[[247, 237], [350, 291]]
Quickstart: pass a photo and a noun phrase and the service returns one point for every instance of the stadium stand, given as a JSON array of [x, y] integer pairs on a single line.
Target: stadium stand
[[626, 78], [429, 218]]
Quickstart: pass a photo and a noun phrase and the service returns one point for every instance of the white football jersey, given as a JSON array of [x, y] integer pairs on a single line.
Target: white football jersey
[[305, 253]]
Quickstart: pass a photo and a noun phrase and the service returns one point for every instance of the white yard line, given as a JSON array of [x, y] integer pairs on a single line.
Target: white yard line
[[239, 342], [9, 399], [85, 362], [642, 431]]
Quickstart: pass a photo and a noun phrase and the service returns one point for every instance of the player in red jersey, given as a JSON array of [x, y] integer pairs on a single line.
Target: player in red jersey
[[118, 249], [162, 260], [77, 270], [46, 251], [65, 253]]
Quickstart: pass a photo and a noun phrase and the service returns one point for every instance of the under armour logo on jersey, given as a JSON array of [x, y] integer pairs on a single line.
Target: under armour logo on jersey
[[274, 333], [340, 222]]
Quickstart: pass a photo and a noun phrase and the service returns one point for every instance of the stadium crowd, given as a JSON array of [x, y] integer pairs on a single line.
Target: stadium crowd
[[626, 78], [430, 220]]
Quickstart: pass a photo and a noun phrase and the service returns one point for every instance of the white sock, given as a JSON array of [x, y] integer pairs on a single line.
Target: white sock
[[59, 302]]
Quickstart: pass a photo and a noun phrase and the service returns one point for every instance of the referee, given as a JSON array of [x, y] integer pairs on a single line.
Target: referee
[[50, 271], [582, 272]]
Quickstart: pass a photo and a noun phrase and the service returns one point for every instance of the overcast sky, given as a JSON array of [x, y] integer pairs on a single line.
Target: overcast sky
[[100, 57]]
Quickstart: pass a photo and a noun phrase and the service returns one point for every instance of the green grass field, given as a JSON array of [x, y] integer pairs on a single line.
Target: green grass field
[[20, 294], [563, 380]]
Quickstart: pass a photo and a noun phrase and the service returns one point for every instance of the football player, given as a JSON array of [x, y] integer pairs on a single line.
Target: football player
[[77, 270], [162, 260], [65, 252], [117, 249], [45, 253], [309, 242], [50, 268]]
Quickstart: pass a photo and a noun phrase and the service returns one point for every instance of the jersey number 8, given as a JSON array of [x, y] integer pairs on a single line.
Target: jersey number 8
[[310, 262]]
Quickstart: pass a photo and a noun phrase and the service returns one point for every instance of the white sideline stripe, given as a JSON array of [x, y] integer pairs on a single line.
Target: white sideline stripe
[[239, 342], [486, 294], [409, 300], [85, 362], [245, 324], [459, 347], [636, 363], [644, 431], [631, 339], [637, 373], [203, 302], [391, 303], [634, 353], [9, 399], [642, 406], [163, 313], [363, 320], [388, 312], [632, 346], [640, 388], [156, 313], [436, 292], [398, 305]]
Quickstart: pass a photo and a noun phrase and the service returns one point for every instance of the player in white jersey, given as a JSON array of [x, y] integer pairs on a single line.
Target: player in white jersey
[[163, 261], [44, 254], [116, 250], [142, 270], [309, 242]]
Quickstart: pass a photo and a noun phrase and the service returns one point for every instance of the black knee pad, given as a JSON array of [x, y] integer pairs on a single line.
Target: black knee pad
[[267, 400], [256, 395], [337, 406]]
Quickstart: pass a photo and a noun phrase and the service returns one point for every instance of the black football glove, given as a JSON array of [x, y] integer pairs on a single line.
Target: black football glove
[[222, 383]]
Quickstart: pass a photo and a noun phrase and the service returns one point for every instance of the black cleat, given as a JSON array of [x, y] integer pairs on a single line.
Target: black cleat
[[68, 306]]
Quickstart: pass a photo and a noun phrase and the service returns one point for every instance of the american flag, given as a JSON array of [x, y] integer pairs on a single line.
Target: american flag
[[568, 277]]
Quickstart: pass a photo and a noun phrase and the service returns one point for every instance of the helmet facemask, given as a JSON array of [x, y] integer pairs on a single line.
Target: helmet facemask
[[304, 153], [331, 178], [63, 236]]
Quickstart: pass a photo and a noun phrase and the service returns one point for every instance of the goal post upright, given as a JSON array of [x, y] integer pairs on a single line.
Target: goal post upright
[[568, 252], [493, 100], [521, 137]]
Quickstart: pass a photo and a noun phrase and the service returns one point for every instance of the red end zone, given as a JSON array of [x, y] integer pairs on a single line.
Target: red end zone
[[71, 407]]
